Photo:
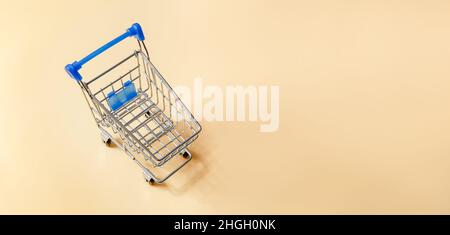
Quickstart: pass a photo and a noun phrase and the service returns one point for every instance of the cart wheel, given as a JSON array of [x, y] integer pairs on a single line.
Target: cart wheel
[[107, 142], [149, 179], [106, 138], [185, 154]]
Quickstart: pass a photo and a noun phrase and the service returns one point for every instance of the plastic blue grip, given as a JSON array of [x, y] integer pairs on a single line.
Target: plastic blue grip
[[72, 69]]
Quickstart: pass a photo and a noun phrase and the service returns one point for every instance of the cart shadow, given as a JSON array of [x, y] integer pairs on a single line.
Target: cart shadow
[[186, 179], [113, 144]]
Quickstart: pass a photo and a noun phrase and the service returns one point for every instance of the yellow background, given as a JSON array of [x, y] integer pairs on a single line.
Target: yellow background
[[364, 107]]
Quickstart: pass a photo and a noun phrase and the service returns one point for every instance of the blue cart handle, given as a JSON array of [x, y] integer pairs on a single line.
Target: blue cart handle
[[72, 69]]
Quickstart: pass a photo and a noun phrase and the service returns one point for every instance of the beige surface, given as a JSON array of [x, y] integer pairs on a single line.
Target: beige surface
[[364, 107]]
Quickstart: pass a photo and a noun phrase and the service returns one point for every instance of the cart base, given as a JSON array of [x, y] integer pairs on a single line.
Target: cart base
[[149, 176]]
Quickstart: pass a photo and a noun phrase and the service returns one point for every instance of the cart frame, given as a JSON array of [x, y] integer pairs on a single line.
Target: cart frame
[[154, 125]]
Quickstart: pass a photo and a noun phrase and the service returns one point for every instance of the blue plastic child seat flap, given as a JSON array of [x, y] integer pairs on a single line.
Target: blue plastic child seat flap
[[113, 101], [117, 99], [129, 90]]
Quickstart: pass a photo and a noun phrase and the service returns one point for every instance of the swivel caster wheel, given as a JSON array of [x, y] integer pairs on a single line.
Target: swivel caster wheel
[[148, 177], [107, 142], [185, 153], [151, 181], [106, 138]]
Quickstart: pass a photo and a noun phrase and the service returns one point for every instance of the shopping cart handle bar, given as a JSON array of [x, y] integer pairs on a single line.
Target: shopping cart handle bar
[[72, 69]]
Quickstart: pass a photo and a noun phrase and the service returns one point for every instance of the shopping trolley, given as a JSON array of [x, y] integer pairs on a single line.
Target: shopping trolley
[[136, 109]]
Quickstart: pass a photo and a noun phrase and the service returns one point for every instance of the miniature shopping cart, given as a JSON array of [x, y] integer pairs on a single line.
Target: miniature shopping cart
[[136, 109]]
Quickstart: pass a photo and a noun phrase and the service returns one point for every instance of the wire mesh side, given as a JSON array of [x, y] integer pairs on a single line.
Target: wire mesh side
[[156, 123]]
